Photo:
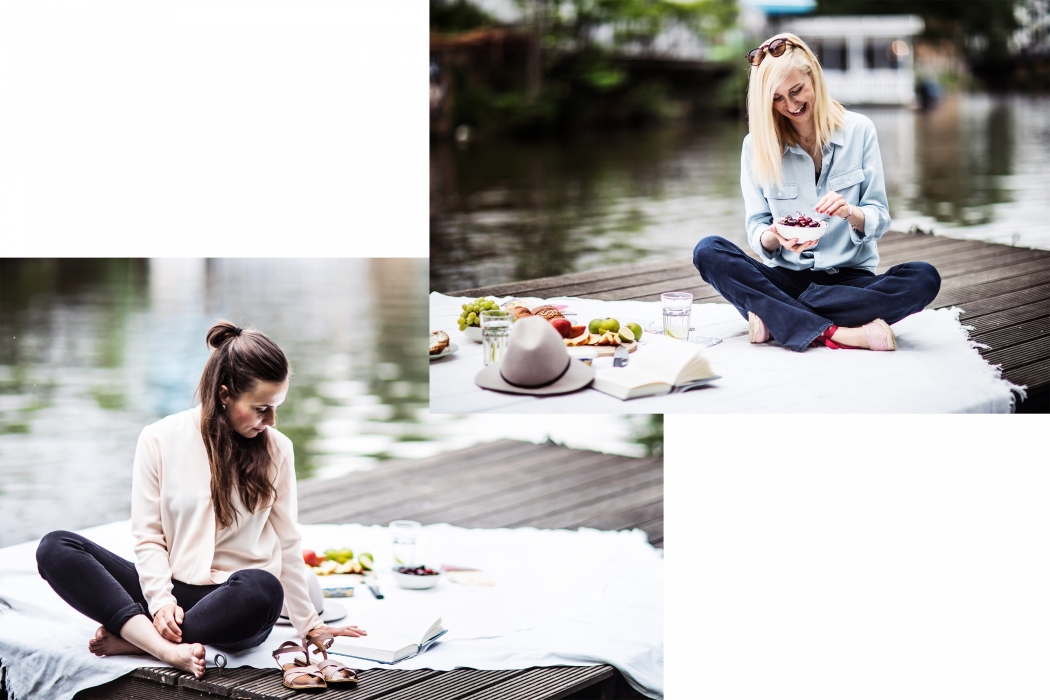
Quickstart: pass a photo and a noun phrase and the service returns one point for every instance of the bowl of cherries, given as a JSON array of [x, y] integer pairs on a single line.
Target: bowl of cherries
[[416, 577], [801, 227]]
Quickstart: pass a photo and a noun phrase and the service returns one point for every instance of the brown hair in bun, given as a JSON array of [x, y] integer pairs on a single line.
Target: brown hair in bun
[[241, 358]]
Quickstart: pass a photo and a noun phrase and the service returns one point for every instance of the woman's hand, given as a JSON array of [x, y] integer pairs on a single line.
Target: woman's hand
[[832, 204], [167, 621], [791, 244], [348, 631]]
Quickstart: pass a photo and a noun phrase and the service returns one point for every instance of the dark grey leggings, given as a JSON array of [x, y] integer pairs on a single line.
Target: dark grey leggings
[[235, 615]]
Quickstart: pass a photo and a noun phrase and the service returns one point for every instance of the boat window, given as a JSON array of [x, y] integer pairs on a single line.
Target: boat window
[[831, 53], [881, 53]]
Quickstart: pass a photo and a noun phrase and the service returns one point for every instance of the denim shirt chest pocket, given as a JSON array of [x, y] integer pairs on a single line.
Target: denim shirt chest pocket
[[783, 199], [848, 179]]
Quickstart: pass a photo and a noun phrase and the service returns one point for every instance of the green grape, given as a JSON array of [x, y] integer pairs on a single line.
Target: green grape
[[464, 307], [462, 327]]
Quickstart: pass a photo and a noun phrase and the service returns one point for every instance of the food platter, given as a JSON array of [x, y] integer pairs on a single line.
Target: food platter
[[451, 348], [600, 350]]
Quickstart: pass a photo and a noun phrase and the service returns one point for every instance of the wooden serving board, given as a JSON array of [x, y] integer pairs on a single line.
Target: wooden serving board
[[603, 350]]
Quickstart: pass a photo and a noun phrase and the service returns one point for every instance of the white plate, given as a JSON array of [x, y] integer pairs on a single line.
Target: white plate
[[804, 234], [449, 349]]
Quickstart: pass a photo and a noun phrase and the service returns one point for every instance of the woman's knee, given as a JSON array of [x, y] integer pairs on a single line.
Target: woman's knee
[[50, 549], [928, 281], [264, 588], [707, 250]]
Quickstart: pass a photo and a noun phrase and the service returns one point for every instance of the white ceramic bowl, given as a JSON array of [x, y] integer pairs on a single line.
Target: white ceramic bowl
[[473, 333], [804, 234], [414, 582]]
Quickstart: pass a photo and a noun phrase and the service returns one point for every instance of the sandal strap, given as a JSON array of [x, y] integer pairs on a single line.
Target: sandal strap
[[322, 641], [289, 647], [290, 674], [335, 666]]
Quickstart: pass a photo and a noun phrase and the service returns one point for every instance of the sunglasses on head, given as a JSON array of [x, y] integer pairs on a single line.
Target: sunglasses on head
[[775, 48]]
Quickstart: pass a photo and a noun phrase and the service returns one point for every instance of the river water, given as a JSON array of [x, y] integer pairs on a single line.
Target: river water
[[975, 166], [93, 350]]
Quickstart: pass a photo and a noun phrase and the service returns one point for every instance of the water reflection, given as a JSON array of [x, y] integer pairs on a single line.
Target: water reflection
[[974, 167], [93, 350]]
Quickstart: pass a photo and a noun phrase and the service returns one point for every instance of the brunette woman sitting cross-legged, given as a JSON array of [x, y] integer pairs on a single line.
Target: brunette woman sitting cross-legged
[[213, 512]]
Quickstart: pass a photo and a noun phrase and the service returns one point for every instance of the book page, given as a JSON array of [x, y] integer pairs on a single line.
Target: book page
[[664, 357], [629, 377], [391, 644], [413, 628]]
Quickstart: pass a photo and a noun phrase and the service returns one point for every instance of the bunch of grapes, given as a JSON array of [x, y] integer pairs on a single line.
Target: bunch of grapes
[[471, 315]]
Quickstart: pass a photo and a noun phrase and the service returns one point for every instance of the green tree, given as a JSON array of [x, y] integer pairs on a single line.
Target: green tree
[[573, 27]]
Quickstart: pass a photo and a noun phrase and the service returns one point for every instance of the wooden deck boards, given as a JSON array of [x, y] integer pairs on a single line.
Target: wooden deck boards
[[498, 484], [1004, 293]]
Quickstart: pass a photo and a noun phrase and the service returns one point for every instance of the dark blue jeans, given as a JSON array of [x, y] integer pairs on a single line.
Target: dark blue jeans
[[234, 615], [798, 305]]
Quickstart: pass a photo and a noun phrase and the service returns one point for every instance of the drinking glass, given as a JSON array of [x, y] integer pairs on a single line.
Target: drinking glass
[[678, 307], [404, 534], [495, 329]]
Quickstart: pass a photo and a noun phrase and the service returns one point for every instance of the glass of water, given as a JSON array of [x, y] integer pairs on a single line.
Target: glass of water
[[404, 534], [678, 307], [495, 329]]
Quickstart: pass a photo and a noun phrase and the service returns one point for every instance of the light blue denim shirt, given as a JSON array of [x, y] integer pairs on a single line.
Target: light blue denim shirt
[[852, 166]]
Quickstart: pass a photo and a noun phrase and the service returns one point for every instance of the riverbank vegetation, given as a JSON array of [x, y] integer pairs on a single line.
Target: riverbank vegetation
[[570, 65], [557, 68]]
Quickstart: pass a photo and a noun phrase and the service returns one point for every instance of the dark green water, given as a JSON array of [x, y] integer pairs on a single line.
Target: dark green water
[[93, 350], [973, 167]]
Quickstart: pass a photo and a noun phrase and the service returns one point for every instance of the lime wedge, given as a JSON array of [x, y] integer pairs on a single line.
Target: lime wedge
[[677, 333]]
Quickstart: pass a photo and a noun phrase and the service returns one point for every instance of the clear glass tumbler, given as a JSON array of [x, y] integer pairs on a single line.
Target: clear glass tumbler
[[495, 330], [678, 308], [404, 535]]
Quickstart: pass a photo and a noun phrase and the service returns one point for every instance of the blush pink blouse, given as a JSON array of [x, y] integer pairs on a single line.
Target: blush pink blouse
[[176, 534]]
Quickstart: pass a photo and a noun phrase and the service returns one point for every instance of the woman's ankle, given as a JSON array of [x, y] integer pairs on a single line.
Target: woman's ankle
[[853, 337]]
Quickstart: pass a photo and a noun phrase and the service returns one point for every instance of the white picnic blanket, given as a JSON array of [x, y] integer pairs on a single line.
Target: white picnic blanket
[[935, 369], [561, 598]]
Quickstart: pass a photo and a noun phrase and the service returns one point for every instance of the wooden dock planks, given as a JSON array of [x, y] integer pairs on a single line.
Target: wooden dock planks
[[1004, 293], [504, 483]]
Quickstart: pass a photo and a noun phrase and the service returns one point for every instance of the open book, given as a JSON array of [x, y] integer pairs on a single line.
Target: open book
[[398, 641], [661, 366]]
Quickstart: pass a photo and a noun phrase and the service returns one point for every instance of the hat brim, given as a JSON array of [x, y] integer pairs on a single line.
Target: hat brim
[[578, 376], [332, 612]]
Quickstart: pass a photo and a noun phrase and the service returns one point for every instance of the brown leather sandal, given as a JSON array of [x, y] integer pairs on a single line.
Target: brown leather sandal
[[299, 676], [332, 670]]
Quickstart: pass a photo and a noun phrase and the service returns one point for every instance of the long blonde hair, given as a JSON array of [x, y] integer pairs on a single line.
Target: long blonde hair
[[772, 131]]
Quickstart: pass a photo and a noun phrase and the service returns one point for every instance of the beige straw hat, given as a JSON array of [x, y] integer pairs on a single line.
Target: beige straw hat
[[536, 362], [327, 609]]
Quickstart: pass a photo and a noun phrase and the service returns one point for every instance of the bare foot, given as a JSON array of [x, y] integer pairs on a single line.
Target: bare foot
[[106, 644], [188, 657]]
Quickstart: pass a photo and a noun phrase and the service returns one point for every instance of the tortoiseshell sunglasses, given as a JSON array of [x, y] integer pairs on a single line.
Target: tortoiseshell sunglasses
[[775, 48]]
